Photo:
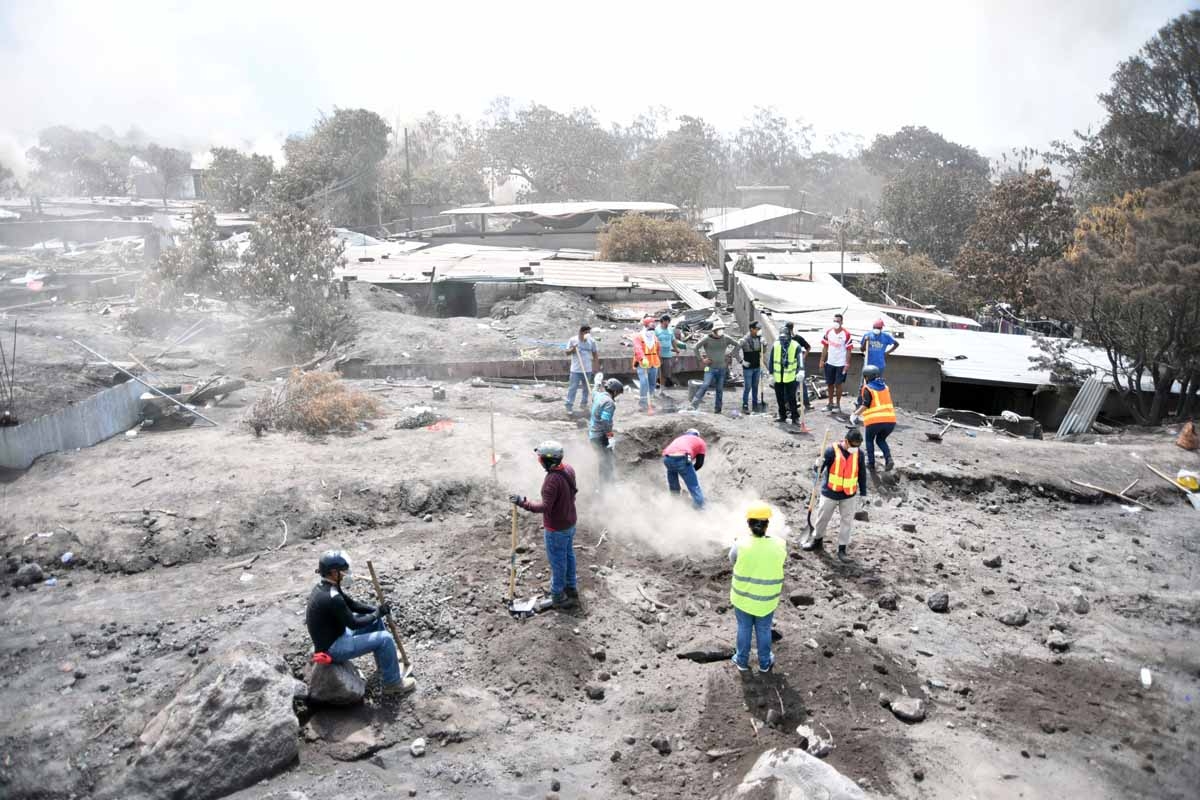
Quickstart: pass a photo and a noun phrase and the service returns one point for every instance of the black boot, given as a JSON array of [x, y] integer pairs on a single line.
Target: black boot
[[573, 597], [813, 543], [841, 553]]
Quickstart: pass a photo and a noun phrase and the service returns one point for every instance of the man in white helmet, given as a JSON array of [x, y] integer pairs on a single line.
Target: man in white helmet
[[558, 522]]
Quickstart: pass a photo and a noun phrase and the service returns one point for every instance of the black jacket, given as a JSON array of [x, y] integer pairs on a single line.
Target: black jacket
[[331, 611]]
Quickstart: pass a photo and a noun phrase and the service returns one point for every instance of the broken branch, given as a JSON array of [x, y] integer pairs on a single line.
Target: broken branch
[[1111, 493], [652, 600]]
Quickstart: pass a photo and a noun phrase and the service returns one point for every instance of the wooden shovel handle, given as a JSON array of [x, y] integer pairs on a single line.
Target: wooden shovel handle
[[390, 622]]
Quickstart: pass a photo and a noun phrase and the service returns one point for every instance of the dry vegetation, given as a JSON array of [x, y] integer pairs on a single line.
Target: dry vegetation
[[311, 402]]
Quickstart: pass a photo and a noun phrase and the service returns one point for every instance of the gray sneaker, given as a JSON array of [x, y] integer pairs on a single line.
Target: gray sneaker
[[401, 687]]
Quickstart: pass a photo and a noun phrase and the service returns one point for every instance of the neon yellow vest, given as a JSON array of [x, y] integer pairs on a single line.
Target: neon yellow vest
[[758, 575], [786, 374]]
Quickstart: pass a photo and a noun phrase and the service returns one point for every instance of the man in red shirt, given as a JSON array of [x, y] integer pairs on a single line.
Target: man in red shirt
[[558, 521], [683, 457]]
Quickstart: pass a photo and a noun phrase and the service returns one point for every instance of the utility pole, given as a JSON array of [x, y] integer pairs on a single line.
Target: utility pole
[[408, 182], [842, 240]]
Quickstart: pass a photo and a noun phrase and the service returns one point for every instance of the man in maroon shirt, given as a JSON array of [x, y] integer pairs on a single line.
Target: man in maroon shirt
[[558, 519]]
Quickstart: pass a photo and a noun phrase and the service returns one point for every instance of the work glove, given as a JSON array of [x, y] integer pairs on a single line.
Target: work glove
[[611, 441], [745, 365], [383, 610], [645, 363], [855, 419], [516, 499]]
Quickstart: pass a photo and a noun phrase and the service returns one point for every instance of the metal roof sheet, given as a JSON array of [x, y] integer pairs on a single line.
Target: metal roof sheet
[[567, 209], [764, 212], [934, 316], [812, 304]]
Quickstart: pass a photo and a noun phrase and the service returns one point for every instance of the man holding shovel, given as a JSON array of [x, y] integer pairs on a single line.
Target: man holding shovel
[[558, 521], [344, 628], [585, 361]]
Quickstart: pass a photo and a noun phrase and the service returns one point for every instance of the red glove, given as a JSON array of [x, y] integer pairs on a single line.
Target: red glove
[[322, 658]]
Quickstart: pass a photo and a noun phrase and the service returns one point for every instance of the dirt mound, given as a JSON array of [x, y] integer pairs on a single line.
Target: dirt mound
[[565, 308], [369, 297]]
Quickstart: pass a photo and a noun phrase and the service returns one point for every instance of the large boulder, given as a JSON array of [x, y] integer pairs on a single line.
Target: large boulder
[[230, 726], [792, 774], [336, 685]]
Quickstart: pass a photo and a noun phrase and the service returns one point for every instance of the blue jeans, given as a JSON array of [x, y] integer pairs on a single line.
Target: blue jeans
[[577, 380], [371, 639], [605, 460], [647, 379], [679, 467], [761, 629], [716, 378], [877, 435], [750, 378], [560, 552]]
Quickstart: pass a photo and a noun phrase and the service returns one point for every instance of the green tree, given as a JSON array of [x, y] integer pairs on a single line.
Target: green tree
[[169, 166], [1131, 280], [1026, 219], [336, 167], [642, 239], [932, 189], [200, 264], [684, 167], [767, 150], [237, 181], [70, 161], [913, 279], [289, 266], [1152, 132], [561, 156]]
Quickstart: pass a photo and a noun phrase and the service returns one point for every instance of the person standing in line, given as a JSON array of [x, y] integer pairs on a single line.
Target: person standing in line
[[683, 458], [785, 363], [558, 522], [714, 351], [877, 414], [878, 345], [752, 351], [585, 361], [646, 360], [756, 587], [669, 341], [600, 427], [845, 483], [835, 360]]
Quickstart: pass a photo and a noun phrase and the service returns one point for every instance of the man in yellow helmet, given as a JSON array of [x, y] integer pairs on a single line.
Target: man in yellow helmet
[[756, 587]]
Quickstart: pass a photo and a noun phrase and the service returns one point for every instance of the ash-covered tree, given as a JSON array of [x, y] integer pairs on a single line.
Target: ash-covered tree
[[237, 181], [643, 239], [446, 164], [8, 182], [561, 156], [1131, 280], [75, 162], [768, 149], [169, 166], [684, 167], [913, 279], [932, 190], [199, 266], [335, 168], [1026, 219], [1152, 131], [289, 266]]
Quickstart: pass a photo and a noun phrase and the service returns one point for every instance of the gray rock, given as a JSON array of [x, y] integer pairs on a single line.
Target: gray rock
[[813, 744], [28, 574], [888, 601], [416, 417], [336, 685], [594, 691], [1079, 603], [1015, 615], [994, 562], [661, 743], [801, 599], [908, 709], [417, 748], [908, 527], [938, 602], [793, 774], [230, 726], [1058, 642]]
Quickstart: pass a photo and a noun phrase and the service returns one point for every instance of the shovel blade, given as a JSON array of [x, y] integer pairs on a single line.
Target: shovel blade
[[1194, 499]]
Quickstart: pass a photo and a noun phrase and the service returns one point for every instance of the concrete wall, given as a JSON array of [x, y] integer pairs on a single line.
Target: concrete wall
[[82, 425]]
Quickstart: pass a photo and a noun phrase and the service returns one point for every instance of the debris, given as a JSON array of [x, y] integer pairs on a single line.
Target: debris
[[813, 744], [707, 656], [661, 743], [779, 774], [1188, 439], [651, 600], [801, 599], [994, 562], [594, 691], [939, 602], [29, 574], [1111, 493], [417, 748], [888, 601], [416, 417], [1147, 678], [1015, 616], [154, 389], [908, 709], [1059, 643], [336, 684], [908, 527]]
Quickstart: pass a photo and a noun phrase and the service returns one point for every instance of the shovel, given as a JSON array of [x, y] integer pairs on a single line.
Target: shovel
[[526, 607], [937, 437], [391, 624], [812, 500]]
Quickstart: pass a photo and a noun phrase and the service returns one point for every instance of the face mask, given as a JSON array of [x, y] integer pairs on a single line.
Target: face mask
[[851, 450], [347, 579], [583, 337]]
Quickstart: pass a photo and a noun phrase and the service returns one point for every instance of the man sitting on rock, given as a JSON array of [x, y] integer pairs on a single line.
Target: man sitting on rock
[[345, 628]]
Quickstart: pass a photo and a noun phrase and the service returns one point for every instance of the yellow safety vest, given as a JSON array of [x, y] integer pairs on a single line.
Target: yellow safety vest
[[782, 373], [881, 409], [843, 475], [758, 575]]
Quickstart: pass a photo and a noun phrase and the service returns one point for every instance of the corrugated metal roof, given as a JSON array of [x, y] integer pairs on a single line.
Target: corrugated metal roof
[[934, 316], [764, 212], [1084, 408], [812, 304], [567, 209], [689, 295], [607, 274], [996, 358]]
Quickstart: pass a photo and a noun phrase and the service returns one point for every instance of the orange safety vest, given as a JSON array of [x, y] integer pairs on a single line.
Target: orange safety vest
[[649, 351], [843, 475], [881, 410]]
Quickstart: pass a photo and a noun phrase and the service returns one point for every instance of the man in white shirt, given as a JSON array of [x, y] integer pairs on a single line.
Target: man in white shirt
[[835, 355], [585, 362]]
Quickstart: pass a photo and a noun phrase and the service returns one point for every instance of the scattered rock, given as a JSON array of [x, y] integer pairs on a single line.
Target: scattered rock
[[801, 599], [908, 709], [813, 744], [783, 774], [29, 574], [336, 684], [908, 527], [918, 775], [230, 726], [1074, 567], [417, 748], [774, 718], [938, 602], [598, 653], [987, 591], [994, 562], [1016, 616], [661, 743], [1080, 603], [615, 757], [416, 417], [1059, 643], [862, 516], [594, 691], [888, 601], [812, 644]]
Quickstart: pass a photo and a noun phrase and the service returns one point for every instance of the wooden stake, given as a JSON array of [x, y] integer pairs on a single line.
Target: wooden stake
[[390, 622], [512, 560], [1111, 493]]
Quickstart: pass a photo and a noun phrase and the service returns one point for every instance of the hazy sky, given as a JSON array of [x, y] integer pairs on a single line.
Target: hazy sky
[[990, 73]]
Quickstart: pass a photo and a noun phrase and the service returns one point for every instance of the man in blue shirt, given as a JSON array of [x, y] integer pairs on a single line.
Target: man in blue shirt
[[668, 343], [877, 345]]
